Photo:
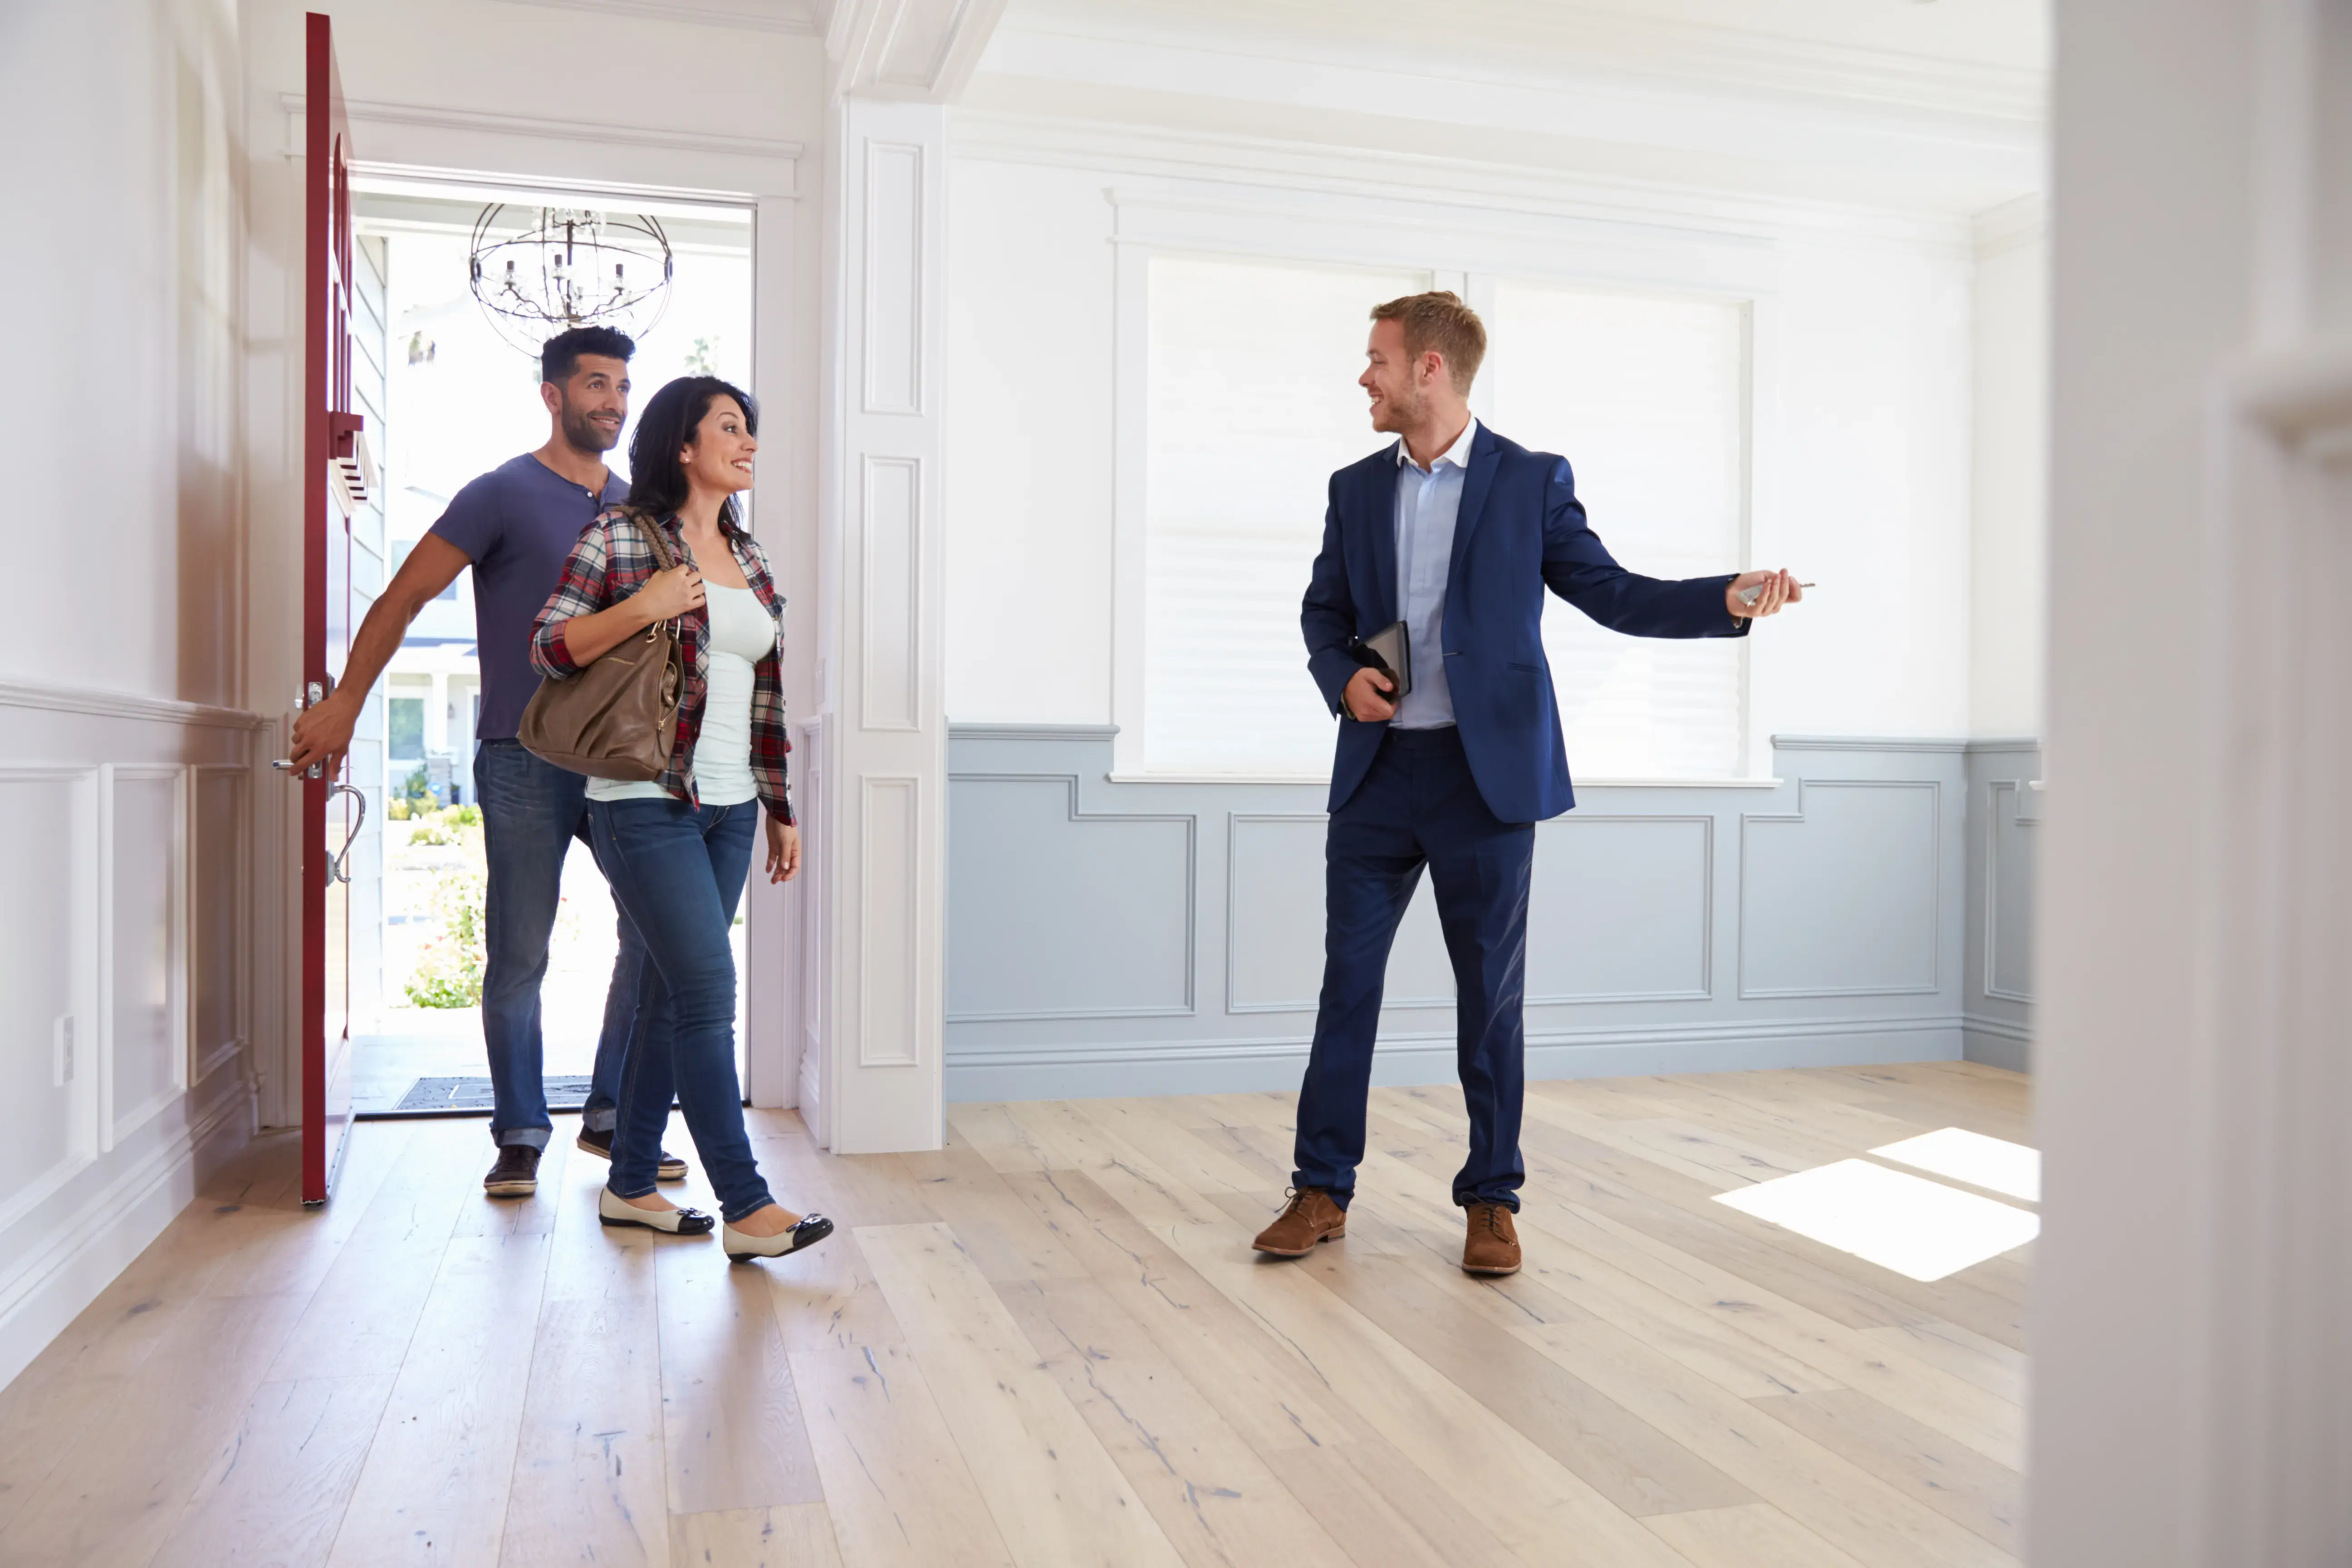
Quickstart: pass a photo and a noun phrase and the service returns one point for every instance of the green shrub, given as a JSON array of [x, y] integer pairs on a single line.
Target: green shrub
[[450, 969]]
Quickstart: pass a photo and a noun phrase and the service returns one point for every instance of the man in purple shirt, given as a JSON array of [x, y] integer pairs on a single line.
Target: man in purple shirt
[[516, 526]]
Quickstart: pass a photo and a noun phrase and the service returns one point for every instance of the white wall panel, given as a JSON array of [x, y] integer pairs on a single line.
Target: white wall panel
[[892, 985], [891, 674], [48, 971], [143, 1041], [220, 894]]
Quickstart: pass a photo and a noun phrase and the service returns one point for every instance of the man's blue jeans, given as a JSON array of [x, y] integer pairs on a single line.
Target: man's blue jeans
[[677, 872], [531, 811]]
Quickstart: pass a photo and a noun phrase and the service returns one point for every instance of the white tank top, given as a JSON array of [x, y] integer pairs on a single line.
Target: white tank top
[[743, 633]]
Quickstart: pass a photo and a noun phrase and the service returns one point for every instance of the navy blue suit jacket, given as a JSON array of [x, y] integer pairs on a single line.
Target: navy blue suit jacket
[[1521, 530]]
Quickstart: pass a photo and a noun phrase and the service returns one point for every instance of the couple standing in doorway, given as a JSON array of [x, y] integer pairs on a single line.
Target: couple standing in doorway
[[564, 572]]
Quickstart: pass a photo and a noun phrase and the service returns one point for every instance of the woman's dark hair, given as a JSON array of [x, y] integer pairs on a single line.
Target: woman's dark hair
[[666, 425]]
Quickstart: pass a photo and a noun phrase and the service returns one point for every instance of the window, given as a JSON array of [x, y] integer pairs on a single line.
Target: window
[[1252, 403], [405, 716], [1645, 396]]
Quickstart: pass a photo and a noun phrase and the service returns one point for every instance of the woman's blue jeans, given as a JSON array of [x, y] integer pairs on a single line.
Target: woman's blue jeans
[[677, 871]]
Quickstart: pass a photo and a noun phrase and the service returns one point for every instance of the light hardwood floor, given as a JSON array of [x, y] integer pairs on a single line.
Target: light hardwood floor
[[1049, 1344]]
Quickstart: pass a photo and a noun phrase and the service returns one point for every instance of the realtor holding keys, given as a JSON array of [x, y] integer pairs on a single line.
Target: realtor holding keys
[[1424, 625]]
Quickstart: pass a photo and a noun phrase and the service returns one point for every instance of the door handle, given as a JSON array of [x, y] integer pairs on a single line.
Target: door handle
[[338, 864]]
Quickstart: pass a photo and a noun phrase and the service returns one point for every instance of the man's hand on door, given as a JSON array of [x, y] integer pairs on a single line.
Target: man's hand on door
[[324, 731]]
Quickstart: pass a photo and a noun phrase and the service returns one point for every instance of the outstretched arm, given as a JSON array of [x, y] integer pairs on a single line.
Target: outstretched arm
[[1579, 568], [323, 731]]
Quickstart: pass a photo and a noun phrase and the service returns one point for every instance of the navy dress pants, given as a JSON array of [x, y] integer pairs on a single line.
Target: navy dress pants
[[1420, 806]]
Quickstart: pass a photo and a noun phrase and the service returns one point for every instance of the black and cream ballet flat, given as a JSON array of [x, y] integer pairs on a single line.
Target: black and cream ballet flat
[[742, 1249], [614, 1210]]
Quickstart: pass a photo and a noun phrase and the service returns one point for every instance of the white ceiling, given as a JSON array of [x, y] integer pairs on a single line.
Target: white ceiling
[[1935, 105]]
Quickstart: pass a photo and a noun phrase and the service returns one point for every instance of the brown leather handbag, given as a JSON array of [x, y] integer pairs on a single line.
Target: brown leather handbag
[[617, 718]]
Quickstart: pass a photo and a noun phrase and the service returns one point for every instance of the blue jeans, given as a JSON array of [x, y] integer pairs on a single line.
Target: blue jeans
[[1419, 806], [531, 811], [677, 871]]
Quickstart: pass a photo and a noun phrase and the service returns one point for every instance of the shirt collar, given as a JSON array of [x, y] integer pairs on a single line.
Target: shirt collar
[[1457, 454]]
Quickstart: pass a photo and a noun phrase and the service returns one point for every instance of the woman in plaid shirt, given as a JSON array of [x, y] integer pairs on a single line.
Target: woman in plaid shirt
[[676, 850]]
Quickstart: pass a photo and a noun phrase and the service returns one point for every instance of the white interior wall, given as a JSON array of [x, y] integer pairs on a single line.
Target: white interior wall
[[126, 782], [1862, 466], [2011, 478]]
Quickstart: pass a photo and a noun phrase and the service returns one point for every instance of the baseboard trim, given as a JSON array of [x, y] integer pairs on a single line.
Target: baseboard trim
[[1996, 1042], [1239, 1067], [81, 1254]]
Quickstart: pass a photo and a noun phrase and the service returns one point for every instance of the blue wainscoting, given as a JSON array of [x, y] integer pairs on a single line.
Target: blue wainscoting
[[1873, 904]]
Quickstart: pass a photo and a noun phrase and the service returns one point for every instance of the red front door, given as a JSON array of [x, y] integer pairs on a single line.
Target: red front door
[[330, 805]]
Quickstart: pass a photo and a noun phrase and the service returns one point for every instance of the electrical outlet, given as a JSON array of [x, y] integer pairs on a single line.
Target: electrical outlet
[[62, 1070]]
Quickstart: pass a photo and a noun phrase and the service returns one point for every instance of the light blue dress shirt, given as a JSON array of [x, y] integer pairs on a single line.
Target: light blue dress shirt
[[1428, 501]]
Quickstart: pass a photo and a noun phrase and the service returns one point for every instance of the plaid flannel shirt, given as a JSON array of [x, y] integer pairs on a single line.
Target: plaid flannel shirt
[[614, 559]]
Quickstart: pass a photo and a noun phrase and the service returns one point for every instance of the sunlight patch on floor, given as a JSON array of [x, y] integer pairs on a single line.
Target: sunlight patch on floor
[[1915, 1226], [1992, 1164]]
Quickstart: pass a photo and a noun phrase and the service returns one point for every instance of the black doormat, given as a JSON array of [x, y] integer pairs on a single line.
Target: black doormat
[[471, 1097]]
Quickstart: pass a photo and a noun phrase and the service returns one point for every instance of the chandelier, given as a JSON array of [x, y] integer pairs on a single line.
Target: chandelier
[[566, 267]]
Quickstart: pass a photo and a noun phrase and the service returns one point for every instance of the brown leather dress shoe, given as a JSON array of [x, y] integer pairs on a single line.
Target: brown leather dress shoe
[[1311, 1217], [1493, 1244]]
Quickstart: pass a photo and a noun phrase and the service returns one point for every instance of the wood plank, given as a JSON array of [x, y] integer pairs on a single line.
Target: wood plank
[[588, 1485], [1528, 1499], [731, 1421], [1853, 1510], [1213, 1495], [1384, 1512], [1004, 1235], [1057, 1496], [116, 1491], [434, 1488], [278, 1488], [899, 1492], [1951, 1477], [1619, 1454], [1756, 1536], [1987, 1363], [366, 1308], [1255, 1385], [792, 1535]]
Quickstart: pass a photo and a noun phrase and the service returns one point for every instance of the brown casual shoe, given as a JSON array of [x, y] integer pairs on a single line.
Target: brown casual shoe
[[516, 1175], [1493, 1244], [1311, 1217], [669, 1168]]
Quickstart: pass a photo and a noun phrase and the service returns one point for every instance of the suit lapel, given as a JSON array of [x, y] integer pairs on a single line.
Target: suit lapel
[[1380, 520], [1485, 456]]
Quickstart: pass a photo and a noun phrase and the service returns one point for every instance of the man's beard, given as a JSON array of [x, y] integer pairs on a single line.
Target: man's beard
[[586, 434], [1397, 411]]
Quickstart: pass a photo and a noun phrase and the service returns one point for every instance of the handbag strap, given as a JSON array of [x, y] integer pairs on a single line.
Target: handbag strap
[[659, 539]]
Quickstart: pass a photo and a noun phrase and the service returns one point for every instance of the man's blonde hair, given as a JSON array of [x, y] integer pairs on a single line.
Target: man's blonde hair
[[1440, 320]]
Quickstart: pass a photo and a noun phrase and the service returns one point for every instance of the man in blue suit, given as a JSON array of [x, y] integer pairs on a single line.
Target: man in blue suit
[[1456, 533]]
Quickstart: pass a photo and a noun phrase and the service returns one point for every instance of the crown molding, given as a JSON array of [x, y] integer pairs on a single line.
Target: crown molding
[[363, 111], [794, 17], [2013, 226], [1560, 43], [1219, 168]]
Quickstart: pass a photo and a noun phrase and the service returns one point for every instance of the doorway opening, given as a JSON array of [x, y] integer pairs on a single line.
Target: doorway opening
[[448, 392]]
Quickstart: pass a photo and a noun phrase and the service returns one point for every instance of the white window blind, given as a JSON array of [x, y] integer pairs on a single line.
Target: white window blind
[[1645, 397], [1252, 403]]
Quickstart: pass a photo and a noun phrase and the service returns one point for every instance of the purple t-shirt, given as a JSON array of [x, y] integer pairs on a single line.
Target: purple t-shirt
[[518, 525]]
